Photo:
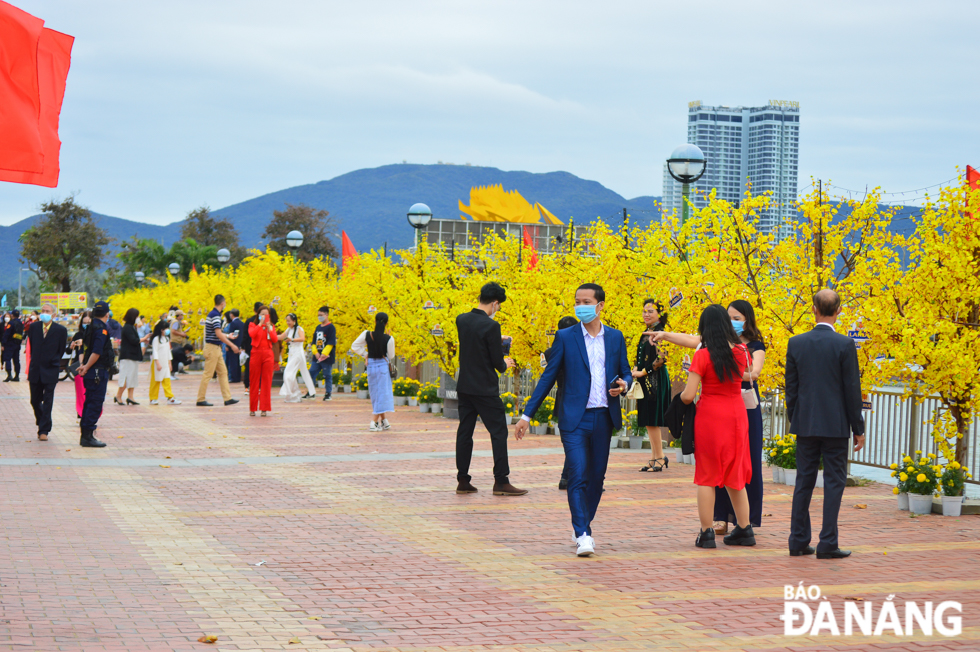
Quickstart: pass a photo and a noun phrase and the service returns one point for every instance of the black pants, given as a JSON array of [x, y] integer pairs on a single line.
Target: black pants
[[491, 410], [246, 372], [11, 356], [95, 385], [808, 453], [42, 397]]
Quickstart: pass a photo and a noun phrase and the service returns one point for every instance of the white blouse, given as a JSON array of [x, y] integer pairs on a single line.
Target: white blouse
[[161, 349], [360, 346]]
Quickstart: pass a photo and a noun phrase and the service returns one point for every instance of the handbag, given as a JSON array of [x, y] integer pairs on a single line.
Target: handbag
[[392, 368], [635, 391], [749, 397]]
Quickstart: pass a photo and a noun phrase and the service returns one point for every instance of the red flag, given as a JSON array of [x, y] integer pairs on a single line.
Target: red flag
[[972, 178], [194, 267], [529, 243], [53, 61], [20, 100], [346, 247]]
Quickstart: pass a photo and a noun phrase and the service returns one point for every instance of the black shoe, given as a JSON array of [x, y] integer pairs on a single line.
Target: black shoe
[[563, 484], [706, 539], [799, 553], [117, 401], [465, 488], [16, 379], [740, 537], [88, 440], [7, 379], [834, 554], [204, 404], [230, 401], [655, 466], [326, 397], [130, 401]]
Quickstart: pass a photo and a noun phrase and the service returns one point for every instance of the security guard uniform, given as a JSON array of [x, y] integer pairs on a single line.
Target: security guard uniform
[[97, 377], [12, 338]]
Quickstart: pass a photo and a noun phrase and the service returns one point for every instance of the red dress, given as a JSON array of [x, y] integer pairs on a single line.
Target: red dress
[[721, 426]]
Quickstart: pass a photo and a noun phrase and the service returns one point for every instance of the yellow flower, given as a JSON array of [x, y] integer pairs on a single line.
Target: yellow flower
[[910, 469], [921, 477], [903, 477], [906, 459], [951, 483], [918, 452], [894, 473], [896, 491], [923, 461], [893, 465], [932, 456]]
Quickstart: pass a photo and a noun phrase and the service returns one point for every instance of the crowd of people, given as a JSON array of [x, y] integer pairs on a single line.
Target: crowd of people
[[717, 415]]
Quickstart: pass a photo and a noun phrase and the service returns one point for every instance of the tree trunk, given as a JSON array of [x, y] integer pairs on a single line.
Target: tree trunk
[[66, 284], [963, 429]]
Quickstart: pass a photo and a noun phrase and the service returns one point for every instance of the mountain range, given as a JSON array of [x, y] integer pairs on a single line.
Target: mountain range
[[371, 206]]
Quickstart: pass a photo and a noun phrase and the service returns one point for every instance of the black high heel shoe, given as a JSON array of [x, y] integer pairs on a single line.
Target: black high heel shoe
[[117, 401], [655, 466], [130, 401]]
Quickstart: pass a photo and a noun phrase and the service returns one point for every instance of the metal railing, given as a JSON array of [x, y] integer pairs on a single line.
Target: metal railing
[[895, 426]]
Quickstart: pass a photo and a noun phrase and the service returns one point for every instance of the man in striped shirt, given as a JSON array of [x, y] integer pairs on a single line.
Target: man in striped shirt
[[213, 360]]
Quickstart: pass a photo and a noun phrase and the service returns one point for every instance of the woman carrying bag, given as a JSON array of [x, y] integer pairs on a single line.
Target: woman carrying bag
[[295, 336], [378, 350], [653, 381], [261, 362]]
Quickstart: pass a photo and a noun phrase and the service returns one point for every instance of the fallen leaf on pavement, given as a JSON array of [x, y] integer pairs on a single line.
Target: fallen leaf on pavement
[[164, 466], [313, 618], [210, 639], [294, 640], [855, 599], [860, 506]]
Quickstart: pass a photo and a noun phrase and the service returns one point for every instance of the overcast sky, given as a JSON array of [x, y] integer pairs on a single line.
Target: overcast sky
[[175, 104]]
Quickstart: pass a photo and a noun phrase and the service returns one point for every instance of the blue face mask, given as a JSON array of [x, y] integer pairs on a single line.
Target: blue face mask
[[44, 317], [585, 313], [738, 326], [84, 325], [166, 331]]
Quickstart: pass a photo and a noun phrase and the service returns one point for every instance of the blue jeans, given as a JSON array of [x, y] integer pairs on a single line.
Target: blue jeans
[[587, 455], [327, 369]]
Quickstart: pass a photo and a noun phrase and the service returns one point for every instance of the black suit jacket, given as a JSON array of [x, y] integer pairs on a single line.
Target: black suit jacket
[[46, 352], [481, 354], [823, 385], [238, 325]]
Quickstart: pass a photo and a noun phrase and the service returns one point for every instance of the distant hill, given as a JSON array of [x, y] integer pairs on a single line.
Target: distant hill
[[371, 204]]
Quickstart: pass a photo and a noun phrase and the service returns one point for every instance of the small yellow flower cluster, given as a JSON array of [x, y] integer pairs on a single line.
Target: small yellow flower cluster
[[405, 387]]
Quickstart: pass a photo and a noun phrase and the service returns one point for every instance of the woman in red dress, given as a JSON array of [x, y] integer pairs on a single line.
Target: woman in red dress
[[261, 363], [721, 427]]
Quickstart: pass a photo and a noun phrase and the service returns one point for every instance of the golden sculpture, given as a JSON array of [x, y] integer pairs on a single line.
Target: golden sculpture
[[494, 204]]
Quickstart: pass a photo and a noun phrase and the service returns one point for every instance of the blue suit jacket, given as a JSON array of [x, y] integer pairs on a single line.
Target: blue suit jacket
[[568, 353]]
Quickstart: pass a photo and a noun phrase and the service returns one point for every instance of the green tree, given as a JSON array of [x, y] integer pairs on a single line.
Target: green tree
[[66, 238], [315, 225], [202, 227], [149, 256]]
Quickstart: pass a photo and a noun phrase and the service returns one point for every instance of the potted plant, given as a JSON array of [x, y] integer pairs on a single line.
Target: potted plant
[[771, 455], [537, 428], [435, 407], [361, 384], [509, 399], [635, 434], [427, 395], [954, 475], [543, 415], [787, 459], [900, 489], [921, 478], [347, 379], [678, 454], [402, 388], [335, 377]]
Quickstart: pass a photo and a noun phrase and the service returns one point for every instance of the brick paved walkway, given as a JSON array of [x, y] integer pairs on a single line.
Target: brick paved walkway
[[305, 527]]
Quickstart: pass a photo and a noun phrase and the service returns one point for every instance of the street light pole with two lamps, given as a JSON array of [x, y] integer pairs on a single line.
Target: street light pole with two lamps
[[686, 165]]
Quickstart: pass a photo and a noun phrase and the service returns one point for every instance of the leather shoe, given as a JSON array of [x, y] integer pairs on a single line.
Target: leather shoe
[[231, 401], [834, 554], [204, 404], [799, 553], [563, 485], [42, 436], [466, 488], [88, 440], [507, 490]]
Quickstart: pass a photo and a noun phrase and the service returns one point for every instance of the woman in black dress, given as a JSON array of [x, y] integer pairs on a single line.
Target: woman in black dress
[[742, 315], [651, 372]]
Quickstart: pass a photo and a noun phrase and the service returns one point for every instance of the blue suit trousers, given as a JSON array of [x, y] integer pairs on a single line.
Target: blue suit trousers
[[587, 456], [95, 385]]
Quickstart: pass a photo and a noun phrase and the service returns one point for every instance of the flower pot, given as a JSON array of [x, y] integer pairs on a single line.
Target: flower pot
[[789, 477], [401, 400], [903, 501], [636, 443], [413, 401], [362, 393], [555, 428], [678, 456], [920, 503], [346, 389], [423, 407], [952, 505], [819, 484], [539, 430], [777, 474], [435, 408]]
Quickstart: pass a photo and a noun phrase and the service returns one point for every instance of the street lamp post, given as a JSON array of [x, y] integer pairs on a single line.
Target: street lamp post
[[174, 268], [419, 216], [140, 277], [295, 240], [686, 165], [223, 255]]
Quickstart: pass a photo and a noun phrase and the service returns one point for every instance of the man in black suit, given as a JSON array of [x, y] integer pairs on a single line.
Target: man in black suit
[[48, 340], [823, 402], [246, 344], [236, 332], [481, 356]]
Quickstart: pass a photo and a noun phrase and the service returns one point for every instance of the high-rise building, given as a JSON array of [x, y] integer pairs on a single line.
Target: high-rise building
[[744, 145]]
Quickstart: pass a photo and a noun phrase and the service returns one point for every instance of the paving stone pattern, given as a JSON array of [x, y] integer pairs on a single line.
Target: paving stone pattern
[[303, 530]]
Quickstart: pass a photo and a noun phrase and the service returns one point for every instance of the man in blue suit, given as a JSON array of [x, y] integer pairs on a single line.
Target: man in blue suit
[[593, 358]]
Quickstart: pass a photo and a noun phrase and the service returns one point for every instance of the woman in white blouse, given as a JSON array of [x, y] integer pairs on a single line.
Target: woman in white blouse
[[378, 348], [295, 337], [160, 364]]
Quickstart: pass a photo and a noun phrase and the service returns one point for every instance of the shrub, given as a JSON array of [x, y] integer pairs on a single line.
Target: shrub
[[360, 382], [405, 387], [428, 393], [546, 410], [509, 399], [954, 475]]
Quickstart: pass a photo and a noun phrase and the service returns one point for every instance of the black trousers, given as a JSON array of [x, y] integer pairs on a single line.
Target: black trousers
[[11, 357], [95, 385], [491, 410], [42, 398], [246, 372], [809, 450]]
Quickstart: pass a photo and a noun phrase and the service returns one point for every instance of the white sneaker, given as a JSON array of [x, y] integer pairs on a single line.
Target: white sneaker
[[374, 427], [246, 392], [586, 546], [385, 425], [173, 401], [154, 402]]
